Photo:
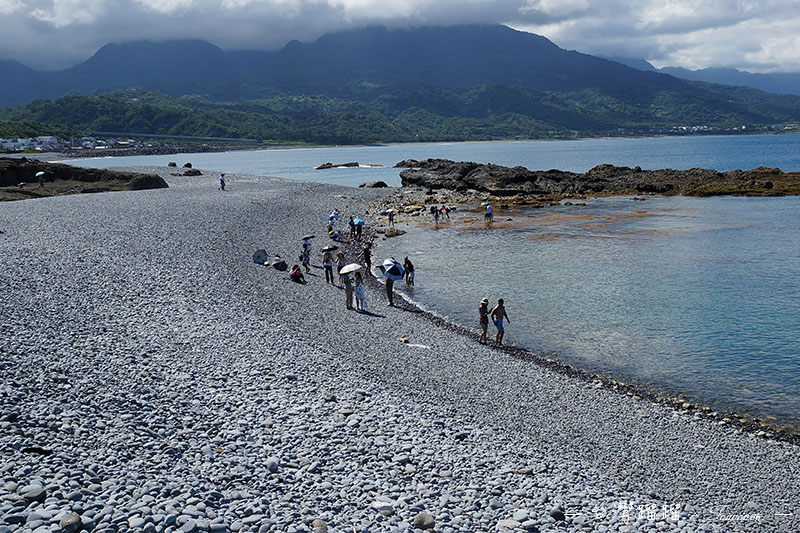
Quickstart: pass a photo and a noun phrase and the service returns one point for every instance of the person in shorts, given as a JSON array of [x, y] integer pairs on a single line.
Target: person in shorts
[[498, 314], [408, 269]]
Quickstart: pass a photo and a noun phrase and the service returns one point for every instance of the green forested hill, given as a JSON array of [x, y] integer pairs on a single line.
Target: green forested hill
[[26, 128], [402, 114]]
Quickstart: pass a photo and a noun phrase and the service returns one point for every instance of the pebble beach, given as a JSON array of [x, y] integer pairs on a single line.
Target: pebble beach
[[156, 380]]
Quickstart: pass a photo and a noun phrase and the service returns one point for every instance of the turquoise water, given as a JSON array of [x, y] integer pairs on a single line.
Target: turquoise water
[[720, 153], [696, 297], [700, 297]]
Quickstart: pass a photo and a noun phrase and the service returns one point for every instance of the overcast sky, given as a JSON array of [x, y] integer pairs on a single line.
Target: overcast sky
[[754, 35]]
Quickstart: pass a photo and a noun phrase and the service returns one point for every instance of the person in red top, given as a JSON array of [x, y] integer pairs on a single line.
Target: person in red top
[[483, 319]]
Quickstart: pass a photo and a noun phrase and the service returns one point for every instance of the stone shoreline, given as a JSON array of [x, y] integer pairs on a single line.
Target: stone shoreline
[[155, 379]]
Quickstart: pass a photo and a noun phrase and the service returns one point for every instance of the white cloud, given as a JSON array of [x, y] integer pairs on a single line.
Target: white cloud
[[8, 7], [759, 35], [65, 13]]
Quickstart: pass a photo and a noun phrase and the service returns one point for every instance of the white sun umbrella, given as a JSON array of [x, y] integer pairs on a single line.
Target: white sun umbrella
[[352, 267], [391, 269], [40, 173]]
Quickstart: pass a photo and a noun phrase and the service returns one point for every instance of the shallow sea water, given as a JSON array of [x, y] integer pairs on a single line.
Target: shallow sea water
[[694, 297]]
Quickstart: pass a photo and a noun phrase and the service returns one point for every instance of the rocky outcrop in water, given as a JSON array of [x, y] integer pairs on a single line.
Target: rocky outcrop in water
[[325, 166], [435, 174]]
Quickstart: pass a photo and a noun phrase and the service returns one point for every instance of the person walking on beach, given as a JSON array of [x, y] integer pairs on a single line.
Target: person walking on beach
[[435, 215], [222, 182], [497, 314], [305, 255], [339, 264], [489, 216], [359, 227], [352, 225], [389, 293], [391, 217], [408, 272], [360, 293], [348, 289], [483, 319], [367, 254], [327, 262]]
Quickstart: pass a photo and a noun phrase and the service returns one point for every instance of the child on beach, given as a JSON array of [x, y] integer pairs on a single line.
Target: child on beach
[[305, 256], [222, 182], [296, 275], [360, 293], [498, 313]]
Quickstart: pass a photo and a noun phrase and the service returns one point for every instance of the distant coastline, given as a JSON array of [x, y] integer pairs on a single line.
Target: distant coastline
[[78, 153]]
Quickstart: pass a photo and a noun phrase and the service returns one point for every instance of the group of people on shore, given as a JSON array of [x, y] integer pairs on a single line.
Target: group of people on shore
[[440, 212], [353, 280]]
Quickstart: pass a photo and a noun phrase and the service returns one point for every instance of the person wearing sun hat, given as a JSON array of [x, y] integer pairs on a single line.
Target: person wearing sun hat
[[483, 319]]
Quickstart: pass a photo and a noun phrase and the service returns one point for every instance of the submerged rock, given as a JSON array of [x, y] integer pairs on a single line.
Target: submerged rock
[[325, 166]]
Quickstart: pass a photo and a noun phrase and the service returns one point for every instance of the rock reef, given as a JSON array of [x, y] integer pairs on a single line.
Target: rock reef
[[602, 180], [18, 179]]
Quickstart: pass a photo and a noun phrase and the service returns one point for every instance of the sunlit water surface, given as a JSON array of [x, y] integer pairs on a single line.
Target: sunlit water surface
[[700, 297]]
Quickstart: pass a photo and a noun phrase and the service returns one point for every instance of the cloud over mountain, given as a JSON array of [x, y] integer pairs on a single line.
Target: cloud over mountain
[[759, 35]]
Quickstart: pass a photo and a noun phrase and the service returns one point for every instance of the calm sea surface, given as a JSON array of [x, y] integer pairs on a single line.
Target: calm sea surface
[[699, 297], [720, 153], [696, 297]]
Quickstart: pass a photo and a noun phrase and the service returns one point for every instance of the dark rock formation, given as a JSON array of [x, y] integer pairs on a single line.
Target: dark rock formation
[[434, 174], [66, 179], [192, 172], [374, 185], [187, 165], [172, 164], [325, 166]]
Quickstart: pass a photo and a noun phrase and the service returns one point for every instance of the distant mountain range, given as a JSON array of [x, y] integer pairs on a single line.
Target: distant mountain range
[[376, 84], [341, 63], [778, 83]]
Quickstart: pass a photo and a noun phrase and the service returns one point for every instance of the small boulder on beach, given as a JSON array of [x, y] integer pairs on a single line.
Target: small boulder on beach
[[424, 520], [278, 264]]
